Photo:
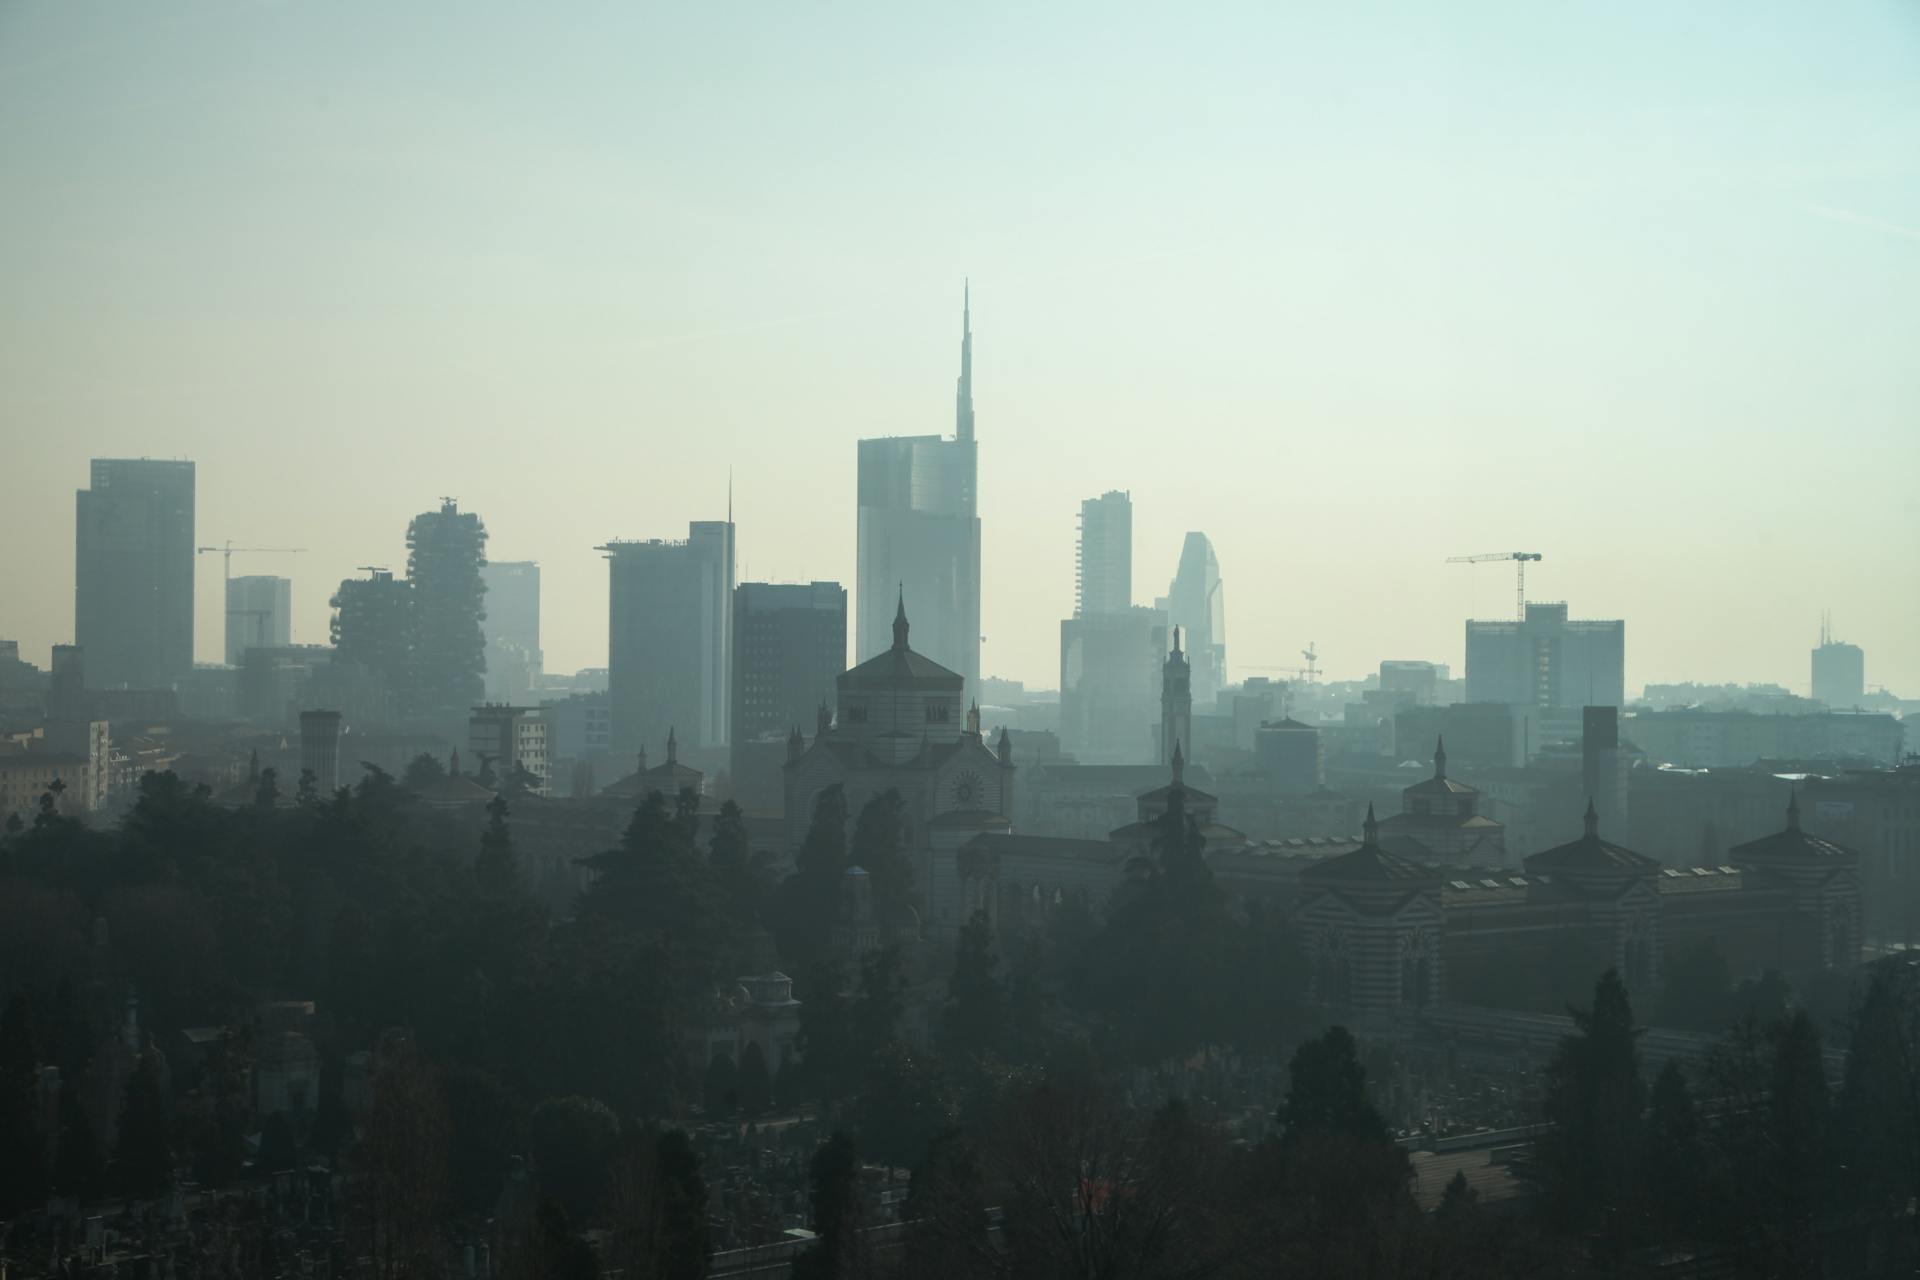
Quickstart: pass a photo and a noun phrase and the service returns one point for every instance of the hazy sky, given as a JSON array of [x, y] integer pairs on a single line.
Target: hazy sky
[[1351, 287]]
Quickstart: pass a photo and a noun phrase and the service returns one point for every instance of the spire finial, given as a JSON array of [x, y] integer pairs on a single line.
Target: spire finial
[[1593, 818], [1370, 829], [963, 391], [900, 620], [1793, 809], [1179, 765], [1440, 756], [1176, 639], [673, 747]]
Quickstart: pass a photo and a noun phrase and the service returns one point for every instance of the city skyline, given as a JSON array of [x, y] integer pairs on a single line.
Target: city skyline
[[1698, 324]]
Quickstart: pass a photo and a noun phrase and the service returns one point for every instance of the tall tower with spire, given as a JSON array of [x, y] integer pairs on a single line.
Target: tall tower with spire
[[1176, 705], [919, 534], [963, 390]]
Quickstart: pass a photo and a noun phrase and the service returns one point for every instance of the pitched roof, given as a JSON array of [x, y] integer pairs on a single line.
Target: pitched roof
[[1591, 853], [1369, 862], [898, 666], [1791, 843]]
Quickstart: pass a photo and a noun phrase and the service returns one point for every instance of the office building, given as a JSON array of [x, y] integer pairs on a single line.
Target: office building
[[789, 644], [1196, 604], [1839, 672], [446, 654], [133, 572], [1290, 755], [669, 637], [514, 660], [1104, 562], [1547, 660], [503, 739], [259, 615], [919, 533], [1110, 685], [1419, 680]]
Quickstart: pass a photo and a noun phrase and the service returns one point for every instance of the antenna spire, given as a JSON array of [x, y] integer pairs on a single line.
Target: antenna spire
[[963, 391]]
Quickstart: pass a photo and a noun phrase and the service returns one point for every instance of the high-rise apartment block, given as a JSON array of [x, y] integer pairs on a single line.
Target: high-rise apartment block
[[1104, 579], [919, 536], [669, 637], [1839, 671], [133, 572], [1547, 660], [514, 660], [259, 615], [371, 629], [446, 656]]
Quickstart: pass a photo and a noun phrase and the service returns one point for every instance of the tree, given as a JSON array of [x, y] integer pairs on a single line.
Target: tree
[[23, 1143], [496, 870], [401, 1162], [144, 1161], [756, 1086], [1327, 1092], [79, 1170], [267, 794], [423, 771], [657, 1204], [1697, 984], [1674, 1160], [903, 1104], [573, 1140], [1594, 1099], [947, 1205], [1162, 971], [879, 846], [837, 1251], [801, 913], [721, 1086], [974, 1020], [486, 1128], [1879, 1107], [739, 872]]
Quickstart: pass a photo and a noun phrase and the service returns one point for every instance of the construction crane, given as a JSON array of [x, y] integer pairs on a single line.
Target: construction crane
[[1519, 559], [226, 554]]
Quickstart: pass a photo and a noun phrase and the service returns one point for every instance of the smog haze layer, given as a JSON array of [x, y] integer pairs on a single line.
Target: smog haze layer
[[1633, 285]]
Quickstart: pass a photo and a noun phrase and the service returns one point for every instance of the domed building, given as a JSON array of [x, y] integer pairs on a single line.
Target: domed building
[[902, 726]]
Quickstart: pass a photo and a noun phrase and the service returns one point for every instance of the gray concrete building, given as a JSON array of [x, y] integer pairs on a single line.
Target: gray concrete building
[[670, 637], [259, 615], [133, 572], [1547, 660]]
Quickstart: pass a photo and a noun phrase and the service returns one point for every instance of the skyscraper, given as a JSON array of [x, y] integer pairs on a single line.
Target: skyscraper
[[1547, 660], [446, 652], [789, 643], [669, 637], [1110, 651], [133, 572], [514, 660], [1105, 562], [1839, 671], [372, 624], [259, 615], [919, 533], [1196, 603]]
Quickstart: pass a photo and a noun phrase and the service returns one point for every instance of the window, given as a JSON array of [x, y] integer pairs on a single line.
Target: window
[[936, 713]]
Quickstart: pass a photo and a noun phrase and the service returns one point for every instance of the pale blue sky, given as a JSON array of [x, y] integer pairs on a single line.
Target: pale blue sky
[[1350, 287]]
